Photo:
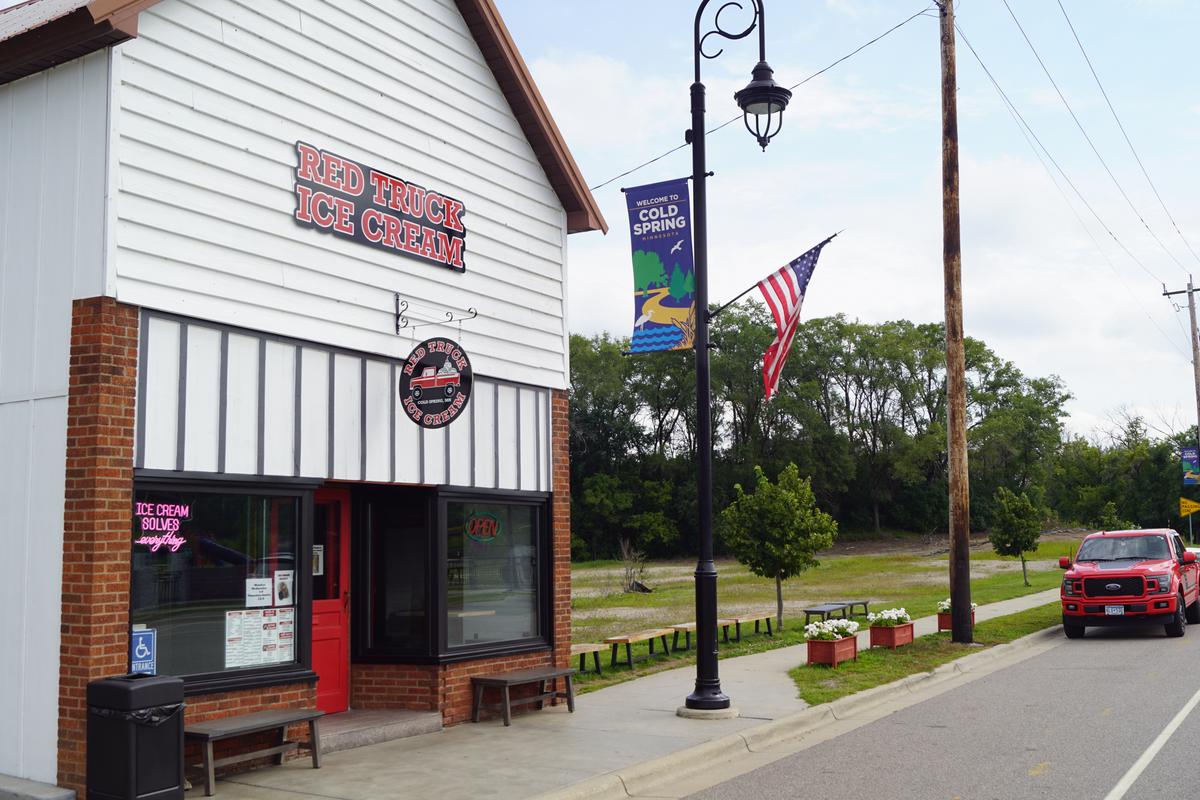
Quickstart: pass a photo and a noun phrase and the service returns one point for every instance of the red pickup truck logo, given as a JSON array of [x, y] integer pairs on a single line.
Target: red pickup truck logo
[[430, 378]]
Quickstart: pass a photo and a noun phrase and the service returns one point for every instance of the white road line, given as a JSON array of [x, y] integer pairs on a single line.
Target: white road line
[[1140, 765]]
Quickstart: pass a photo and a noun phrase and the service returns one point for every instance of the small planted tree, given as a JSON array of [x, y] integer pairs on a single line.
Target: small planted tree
[[778, 530], [1016, 528]]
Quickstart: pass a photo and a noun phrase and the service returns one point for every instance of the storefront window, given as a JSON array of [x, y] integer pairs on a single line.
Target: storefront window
[[214, 577], [394, 552], [492, 570]]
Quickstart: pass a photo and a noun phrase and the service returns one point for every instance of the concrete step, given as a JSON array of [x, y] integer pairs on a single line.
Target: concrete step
[[359, 728]]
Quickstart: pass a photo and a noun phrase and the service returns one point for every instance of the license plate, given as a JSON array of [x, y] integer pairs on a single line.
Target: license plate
[[1114, 611]]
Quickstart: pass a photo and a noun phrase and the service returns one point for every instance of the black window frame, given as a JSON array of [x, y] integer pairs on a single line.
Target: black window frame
[[253, 677], [437, 588]]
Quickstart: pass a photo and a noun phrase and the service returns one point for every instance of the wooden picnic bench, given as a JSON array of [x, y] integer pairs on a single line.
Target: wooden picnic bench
[[582, 651], [737, 622], [217, 729], [504, 681], [631, 639]]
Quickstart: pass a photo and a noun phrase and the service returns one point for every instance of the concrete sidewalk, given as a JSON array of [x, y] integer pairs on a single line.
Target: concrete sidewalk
[[544, 752]]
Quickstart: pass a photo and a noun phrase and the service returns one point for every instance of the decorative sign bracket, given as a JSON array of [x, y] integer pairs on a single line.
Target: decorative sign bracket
[[404, 323]]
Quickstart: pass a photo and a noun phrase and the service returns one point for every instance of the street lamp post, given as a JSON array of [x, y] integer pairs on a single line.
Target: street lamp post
[[762, 103]]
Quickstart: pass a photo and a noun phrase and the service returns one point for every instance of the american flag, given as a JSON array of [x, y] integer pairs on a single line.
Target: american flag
[[784, 293]]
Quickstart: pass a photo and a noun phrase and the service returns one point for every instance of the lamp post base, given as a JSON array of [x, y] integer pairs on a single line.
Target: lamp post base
[[712, 699], [707, 713]]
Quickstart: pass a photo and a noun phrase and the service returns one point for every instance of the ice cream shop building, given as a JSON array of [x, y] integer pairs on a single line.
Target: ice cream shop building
[[283, 359]]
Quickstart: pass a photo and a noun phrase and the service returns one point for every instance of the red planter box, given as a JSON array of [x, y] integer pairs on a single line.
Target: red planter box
[[833, 651], [891, 636], [944, 623]]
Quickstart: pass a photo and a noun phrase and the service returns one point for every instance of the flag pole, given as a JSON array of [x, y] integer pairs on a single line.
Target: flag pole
[[714, 314]]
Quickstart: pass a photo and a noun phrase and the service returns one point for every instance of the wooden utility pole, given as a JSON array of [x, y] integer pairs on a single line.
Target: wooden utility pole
[[956, 382], [1191, 293]]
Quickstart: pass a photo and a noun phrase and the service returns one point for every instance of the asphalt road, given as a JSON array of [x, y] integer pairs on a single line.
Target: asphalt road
[[1071, 722]]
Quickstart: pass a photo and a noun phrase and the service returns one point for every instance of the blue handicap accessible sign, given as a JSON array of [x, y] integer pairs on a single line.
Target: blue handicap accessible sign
[[143, 651]]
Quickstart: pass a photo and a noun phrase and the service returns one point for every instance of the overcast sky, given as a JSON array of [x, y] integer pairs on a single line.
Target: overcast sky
[[860, 149]]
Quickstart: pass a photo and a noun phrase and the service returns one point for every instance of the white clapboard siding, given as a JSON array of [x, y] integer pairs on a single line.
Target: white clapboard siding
[[219, 400], [52, 168], [211, 98]]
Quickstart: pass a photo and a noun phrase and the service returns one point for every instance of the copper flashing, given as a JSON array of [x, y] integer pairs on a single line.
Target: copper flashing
[[500, 51]]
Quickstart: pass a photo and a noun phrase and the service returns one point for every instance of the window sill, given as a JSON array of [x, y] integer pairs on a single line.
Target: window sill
[[456, 656], [214, 684]]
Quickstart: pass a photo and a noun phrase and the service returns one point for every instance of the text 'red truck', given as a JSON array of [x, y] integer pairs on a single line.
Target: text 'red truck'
[[1130, 578]]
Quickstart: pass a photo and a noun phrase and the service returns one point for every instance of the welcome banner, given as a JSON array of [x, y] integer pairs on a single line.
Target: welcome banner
[[664, 278]]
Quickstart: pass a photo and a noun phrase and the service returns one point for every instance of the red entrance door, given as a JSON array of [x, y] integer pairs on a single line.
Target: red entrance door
[[331, 599]]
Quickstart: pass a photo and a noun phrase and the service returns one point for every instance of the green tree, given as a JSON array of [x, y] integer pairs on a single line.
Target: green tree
[[1016, 526], [648, 270], [778, 530]]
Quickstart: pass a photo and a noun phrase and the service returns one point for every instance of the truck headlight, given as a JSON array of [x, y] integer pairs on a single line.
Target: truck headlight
[[1158, 583]]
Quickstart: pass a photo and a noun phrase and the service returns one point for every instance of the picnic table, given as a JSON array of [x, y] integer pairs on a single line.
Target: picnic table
[[827, 610]]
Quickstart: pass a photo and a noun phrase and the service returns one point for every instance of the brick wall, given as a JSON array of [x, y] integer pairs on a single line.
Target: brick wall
[[96, 521], [560, 438], [415, 687]]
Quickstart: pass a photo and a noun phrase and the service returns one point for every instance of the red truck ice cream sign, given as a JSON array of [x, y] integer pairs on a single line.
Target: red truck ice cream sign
[[348, 199], [435, 383]]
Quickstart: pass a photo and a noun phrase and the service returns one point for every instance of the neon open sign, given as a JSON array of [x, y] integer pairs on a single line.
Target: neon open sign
[[482, 526]]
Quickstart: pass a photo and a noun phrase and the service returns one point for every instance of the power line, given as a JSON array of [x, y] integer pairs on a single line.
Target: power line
[[1088, 138], [1027, 132], [816, 74], [1132, 149]]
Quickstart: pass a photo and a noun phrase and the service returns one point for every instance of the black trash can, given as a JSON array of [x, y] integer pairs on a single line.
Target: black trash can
[[135, 738]]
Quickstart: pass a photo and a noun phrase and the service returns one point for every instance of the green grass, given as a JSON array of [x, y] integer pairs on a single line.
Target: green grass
[[877, 666], [914, 582]]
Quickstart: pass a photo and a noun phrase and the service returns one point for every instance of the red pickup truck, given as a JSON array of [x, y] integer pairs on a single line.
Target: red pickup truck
[[1129, 578], [432, 379]]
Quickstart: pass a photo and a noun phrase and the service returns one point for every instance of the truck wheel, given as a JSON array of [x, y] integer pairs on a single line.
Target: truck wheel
[[449, 391], [416, 392], [1073, 631], [1193, 612], [1178, 624]]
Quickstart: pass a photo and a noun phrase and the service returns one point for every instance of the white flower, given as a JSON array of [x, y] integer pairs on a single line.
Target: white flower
[[889, 617], [830, 629], [944, 606]]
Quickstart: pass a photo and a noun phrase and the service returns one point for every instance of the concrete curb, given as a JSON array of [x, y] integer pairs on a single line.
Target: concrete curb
[[642, 780]]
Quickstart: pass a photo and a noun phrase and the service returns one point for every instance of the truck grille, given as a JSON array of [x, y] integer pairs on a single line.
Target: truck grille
[[1129, 586]]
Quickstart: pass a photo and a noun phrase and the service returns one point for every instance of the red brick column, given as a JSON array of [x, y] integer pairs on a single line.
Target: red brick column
[[560, 437], [101, 404]]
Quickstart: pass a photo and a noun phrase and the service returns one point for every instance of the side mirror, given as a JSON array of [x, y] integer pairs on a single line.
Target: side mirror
[[1189, 557], [1065, 563]]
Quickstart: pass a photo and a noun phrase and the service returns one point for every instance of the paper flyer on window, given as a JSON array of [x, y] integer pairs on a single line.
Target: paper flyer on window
[[284, 587]]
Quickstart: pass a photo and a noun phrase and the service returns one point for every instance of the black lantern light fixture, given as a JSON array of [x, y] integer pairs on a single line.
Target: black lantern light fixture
[[763, 101]]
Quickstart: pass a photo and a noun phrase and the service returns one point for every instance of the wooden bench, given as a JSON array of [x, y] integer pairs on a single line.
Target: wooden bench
[[582, 651], [686, 628], [737, 622], [825, 611], [504, 681], [633, 638], [215, 730]]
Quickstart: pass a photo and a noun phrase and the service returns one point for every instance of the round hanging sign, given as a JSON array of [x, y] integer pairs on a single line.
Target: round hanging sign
[[435, 383]]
